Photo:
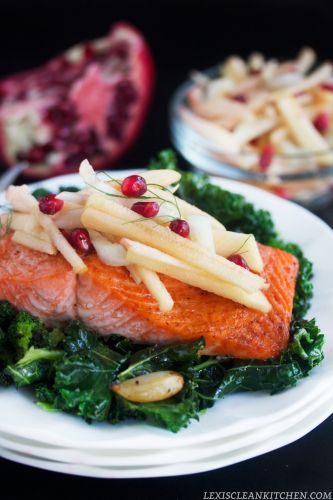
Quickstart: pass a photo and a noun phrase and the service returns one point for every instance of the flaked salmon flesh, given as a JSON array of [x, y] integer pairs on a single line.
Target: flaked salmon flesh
[[108, 301]]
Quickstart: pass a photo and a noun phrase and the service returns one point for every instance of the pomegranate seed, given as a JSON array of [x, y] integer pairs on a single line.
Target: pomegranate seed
[[147, 209], [36, 154], [80, 240], [125, 97], [134, 185], [282, 192], [322, 122], [120, 50], [327, 86], [240, 98], [88, 52], [66, 235], [180, 227], [266, 157], [49, 204], [238, 259]]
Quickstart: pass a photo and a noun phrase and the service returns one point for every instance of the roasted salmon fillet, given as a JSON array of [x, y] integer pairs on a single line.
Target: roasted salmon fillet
[[39, 283], [108, 301]]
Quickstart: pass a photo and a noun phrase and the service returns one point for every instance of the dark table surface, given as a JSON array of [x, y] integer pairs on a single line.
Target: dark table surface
[[183, 35]]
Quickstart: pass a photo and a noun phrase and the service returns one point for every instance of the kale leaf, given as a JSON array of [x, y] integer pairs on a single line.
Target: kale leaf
[[7, 357], [80, 341], [174, 357], [166, 158], [173, 414], [215, 379], [50, 338], [304, 286], [7, 313], [36, 366], [22, 330], [83, 375], [82, 386]]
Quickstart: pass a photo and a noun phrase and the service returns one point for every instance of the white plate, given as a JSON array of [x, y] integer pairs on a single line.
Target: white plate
[[236, 414], [261, 446], [139, 458], [300, 407]]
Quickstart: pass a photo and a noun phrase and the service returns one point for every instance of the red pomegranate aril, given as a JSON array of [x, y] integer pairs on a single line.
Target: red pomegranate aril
[[322, 122], [147, 209], [49, 204], [134, 185], [88, 51], [266, 157], [80, 240], [120, 50], [36, 154], [327, 86], [181, 227], [239, 261], [240, 98], [282, 192]]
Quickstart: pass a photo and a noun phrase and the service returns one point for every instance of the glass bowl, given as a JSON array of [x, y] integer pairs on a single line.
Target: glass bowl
[[299, 178]]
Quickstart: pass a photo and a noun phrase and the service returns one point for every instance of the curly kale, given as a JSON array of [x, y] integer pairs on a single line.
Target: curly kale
[[166, 158], [22, 330], [6, 350], [37, 365], [7, 313], [209, 379], [304, 286]]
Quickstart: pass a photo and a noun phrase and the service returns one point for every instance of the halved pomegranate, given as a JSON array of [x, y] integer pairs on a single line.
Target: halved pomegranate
[[89, 102]]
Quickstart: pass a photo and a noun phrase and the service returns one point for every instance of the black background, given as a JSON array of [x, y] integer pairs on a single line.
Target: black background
[[183, 35]]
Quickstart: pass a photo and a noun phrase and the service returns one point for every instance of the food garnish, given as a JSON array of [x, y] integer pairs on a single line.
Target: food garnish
[[239, 260], [100, 213], [50, 204], [180, 227], [134, 185], [103, 217], [147, 209], [80, 240]]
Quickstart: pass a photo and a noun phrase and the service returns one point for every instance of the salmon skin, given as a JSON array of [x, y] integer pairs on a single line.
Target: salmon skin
[[107, 300]]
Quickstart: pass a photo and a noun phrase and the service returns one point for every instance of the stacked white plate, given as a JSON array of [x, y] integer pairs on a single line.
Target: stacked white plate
[[240, 427]]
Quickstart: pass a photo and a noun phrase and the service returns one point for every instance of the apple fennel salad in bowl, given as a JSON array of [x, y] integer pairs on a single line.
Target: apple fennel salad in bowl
[[149, 297], [263, 121]]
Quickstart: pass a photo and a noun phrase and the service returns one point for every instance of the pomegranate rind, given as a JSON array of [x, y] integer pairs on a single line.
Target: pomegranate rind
[[141, 74]]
